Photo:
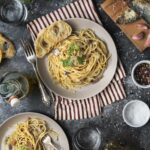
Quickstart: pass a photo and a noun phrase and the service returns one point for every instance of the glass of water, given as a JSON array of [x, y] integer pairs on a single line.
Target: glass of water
[[88, 138], [13, 11]]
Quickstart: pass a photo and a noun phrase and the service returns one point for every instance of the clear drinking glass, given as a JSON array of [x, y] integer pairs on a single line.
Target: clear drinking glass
[[13, 11], [13, 84], [88, 138]]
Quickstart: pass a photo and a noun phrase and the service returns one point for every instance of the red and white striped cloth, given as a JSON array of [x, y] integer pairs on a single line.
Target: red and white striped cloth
[[67, 109]]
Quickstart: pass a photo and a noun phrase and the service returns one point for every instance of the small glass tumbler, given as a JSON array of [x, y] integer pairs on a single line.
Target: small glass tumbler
[[13, 11], [13, 88], [88, 138]]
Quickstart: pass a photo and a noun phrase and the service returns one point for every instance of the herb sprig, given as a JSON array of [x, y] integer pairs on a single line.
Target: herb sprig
[[67, 62], [73, 47], [22, 148], [71, 59], [81, 59]]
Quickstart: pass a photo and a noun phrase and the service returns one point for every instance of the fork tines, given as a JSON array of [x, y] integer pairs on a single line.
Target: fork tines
[[28, 49]]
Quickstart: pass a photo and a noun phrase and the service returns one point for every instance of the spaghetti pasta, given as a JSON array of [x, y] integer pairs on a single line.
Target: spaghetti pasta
[[28, 135], [78, 60]]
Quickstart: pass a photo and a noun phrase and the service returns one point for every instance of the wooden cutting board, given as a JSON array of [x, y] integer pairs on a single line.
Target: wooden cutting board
[[114, 8]]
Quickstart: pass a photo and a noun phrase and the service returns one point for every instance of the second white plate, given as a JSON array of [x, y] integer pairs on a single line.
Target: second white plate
[[9, 126]]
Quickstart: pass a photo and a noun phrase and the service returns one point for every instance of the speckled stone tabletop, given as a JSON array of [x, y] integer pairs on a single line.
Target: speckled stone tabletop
[[110, 123]]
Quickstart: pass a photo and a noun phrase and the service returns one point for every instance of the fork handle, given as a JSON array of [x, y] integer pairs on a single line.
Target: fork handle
[[45, 96]]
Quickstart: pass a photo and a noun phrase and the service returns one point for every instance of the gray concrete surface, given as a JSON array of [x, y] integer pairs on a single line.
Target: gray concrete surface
[[110, 123]]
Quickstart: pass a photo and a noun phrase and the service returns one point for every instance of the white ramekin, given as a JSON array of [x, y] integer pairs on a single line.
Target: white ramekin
[[128, 109], [133, 77]]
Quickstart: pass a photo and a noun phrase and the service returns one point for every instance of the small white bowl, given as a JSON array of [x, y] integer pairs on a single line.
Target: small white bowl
[[132, 74], [136, 113]]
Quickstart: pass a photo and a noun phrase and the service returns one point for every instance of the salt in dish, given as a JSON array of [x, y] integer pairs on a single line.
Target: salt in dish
[[136, 113]]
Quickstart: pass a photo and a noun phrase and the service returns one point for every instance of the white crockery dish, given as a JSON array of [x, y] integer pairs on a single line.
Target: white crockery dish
[[91, 89], [132, 73], [129, 118], [9, 126]]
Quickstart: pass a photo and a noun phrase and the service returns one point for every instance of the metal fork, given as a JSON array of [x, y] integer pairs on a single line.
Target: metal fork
[[47, 141], [32, 59]]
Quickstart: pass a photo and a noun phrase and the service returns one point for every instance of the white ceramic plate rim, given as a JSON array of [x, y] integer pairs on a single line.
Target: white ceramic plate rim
[[63, 138], [91, 89]]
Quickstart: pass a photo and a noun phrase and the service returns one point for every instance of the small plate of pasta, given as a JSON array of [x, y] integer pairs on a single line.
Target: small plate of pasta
[[77, 58], [27, 131]]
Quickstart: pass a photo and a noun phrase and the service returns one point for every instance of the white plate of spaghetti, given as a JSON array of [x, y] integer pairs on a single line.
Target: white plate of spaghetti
[[82, 64], [26, 131]]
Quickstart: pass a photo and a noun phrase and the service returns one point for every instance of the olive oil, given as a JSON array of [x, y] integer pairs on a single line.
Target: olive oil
[[13, 87]]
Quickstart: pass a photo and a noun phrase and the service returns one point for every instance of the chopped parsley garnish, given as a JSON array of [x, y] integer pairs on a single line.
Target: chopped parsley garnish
[[73, 47], [81, 59], [67, 62], [23, 148], [71, 59]]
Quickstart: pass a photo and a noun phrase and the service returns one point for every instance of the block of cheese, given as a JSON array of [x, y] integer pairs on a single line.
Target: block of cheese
[[127, 20]]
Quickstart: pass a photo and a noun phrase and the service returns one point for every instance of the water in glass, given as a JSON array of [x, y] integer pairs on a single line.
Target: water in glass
[[13, 11], [88, 138], [13, 86]]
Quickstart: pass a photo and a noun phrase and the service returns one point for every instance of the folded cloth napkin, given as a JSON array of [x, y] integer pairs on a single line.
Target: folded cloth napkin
[[67, 109]]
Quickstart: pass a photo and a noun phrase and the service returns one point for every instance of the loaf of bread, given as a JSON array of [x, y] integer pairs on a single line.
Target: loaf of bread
[[7, 49], [50, 36]]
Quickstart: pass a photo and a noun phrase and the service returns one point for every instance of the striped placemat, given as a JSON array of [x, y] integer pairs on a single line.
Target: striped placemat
[[67, 109]]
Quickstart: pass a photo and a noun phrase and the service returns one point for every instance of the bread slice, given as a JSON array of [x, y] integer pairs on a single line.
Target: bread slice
[[41, 46], [50, 36], [7, 49]]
